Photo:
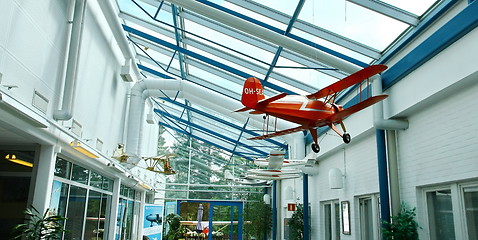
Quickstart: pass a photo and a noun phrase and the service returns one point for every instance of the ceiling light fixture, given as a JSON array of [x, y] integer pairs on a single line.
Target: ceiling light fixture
[[13, 158], [77, 146]]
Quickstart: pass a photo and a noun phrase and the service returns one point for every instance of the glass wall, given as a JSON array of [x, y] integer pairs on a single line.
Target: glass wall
[[84, 198], [128, 213]]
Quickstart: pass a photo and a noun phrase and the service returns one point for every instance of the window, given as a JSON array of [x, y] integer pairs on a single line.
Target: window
[[128, 208], [452, 211], [440, 215], [369, 217], [470, 195], [332, 220], [84, 198]]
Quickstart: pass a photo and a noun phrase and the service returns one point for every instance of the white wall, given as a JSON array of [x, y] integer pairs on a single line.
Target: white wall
[[439, 101], [32, 50]]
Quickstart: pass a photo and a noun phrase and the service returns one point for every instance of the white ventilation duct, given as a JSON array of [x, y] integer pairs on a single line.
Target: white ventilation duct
[[69, 75], [194, 93], [379, 121], [111, 15]]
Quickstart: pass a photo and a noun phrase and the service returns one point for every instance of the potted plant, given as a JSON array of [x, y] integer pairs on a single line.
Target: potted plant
[[176, 231], [296, 224], [38, 226], [403, 225]]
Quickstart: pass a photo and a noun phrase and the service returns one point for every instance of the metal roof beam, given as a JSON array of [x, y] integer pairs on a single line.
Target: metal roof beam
[[292, 42], [204, 140], [309, 28], [205, 130], [389, 11], [252, 133], [219, 53], [292, 20], [249, 39], [201, 58]]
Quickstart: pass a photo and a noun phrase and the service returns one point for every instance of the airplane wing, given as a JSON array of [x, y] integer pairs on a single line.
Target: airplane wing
[[266, 101], [279, 133], [242, 109], [348, 81], [263, 103], [357, 107]]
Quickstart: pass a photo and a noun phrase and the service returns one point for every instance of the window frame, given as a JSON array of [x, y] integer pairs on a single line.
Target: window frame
[[375, 205], [458, 207], [335, 203]]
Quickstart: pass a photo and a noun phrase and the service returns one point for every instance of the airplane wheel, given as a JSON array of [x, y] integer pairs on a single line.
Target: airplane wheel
[[315, 148], [346, 138]]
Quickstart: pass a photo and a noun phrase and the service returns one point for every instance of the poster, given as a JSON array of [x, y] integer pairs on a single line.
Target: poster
[[153, 221]]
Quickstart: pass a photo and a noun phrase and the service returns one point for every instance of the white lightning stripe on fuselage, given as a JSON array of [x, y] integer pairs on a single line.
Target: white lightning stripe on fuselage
[[304, 108]]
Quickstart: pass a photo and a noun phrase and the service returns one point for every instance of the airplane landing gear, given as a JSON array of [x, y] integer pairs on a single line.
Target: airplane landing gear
[[346, 137], [315, 148]]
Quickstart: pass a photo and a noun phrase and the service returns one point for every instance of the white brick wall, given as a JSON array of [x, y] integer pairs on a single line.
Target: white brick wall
[[441, 143]]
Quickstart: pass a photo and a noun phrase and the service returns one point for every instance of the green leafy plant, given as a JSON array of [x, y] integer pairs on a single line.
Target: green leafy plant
[[403, 225], [39, 226], [259, 215], [176, 231], [296, 224]]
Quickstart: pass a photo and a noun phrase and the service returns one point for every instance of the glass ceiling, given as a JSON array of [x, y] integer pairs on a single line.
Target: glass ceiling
[[196, 48]]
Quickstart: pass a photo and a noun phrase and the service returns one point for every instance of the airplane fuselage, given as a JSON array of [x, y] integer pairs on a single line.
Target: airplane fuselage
[[299, 109]]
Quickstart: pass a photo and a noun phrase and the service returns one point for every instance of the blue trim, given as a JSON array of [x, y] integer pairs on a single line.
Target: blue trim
[[154, 72], [240, 136], [205, 130], [383, 176], [274, 209], [252, 133], [240, 208], [281, 32], [457, 27], [202, 58], [174, 13], [305, 208], [422, 26]]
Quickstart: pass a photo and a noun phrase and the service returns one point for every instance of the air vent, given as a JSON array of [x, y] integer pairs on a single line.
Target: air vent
[[76, 128], [125, 74], [40, 102], [150, 118], [99, 145]]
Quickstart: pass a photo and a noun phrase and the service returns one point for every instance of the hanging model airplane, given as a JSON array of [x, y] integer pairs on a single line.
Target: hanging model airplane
[[310, 111], [153, 162], [276, 167]]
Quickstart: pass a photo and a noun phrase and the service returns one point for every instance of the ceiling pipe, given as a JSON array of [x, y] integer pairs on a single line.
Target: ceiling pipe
[[168, 88], [266, 34], [69, 76], [111, 15], [379, 121]]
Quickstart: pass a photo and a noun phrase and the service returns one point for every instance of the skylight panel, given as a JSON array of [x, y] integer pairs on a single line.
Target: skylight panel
[[144, 11], [285, 6], [353, 21], [413, 6], [231, 45], [214, 79], [265, 19]]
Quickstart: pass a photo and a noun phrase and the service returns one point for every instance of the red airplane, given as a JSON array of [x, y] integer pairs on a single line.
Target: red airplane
[[310, 111]]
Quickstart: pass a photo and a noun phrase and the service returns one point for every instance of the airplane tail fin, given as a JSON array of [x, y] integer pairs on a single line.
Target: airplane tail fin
[[252, 92]]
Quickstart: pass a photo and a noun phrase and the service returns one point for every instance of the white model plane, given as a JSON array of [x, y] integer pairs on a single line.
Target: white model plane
[[276, 167]]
